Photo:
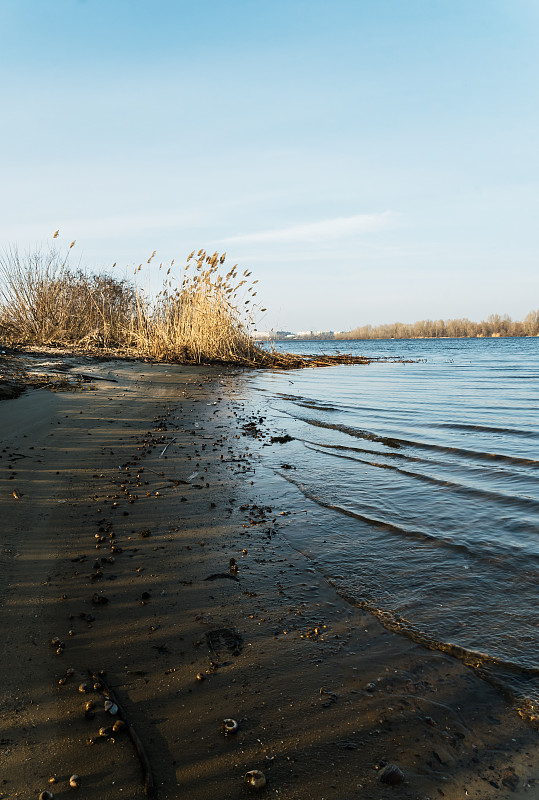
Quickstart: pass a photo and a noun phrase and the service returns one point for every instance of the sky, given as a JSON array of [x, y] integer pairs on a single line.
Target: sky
[[368, 160]]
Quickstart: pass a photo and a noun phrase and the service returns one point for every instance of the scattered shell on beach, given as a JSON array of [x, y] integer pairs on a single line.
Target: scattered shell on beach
[[201, 676], [105, 732], [255, 779], [46, 796], [118, 726], [111, 707], [229, 726], [83, 688], [74, 781], [392, 775]]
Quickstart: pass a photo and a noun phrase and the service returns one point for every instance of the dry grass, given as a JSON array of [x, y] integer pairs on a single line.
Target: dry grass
[[45, 302], [203, 317]]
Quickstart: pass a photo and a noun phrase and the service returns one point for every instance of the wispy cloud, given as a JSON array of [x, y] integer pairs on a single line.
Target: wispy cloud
[[336, 228]]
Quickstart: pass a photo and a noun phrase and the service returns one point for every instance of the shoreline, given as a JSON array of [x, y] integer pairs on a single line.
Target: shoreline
[[322, 693]]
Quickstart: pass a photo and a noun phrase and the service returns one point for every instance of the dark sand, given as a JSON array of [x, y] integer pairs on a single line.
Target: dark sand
[[323, 694]]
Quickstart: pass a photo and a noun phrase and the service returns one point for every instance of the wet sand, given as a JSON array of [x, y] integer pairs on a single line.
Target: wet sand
[[120, 554]]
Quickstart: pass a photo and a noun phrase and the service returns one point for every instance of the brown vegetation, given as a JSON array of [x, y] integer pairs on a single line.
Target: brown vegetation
[[495, 325], [203, 317]]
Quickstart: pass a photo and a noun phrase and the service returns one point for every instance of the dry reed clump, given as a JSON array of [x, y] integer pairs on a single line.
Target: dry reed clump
[[45, 302], [204, 318]]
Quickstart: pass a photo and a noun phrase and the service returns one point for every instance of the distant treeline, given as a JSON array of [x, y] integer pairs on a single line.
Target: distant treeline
[[495, 325]]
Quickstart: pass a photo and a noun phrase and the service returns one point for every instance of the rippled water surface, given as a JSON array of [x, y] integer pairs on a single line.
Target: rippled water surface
[[423, 482]]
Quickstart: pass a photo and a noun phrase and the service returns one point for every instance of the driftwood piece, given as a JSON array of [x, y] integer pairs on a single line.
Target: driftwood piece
[[149, 784]]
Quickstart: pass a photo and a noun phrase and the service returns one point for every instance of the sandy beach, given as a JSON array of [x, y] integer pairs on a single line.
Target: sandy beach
[[137, 542]]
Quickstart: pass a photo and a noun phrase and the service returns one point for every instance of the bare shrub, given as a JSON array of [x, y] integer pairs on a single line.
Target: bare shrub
[[43, 301]]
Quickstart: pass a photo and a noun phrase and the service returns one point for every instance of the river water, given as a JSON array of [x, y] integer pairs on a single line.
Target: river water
[[418, 485]]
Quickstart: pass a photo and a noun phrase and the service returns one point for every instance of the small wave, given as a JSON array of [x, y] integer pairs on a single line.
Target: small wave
[[519, 685], [315, 407], [358, 433], [384, 525], [507, 556], [518, 501], [461, 426]]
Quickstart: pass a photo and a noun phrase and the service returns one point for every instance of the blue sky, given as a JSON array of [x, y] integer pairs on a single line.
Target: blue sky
[[368, 160]]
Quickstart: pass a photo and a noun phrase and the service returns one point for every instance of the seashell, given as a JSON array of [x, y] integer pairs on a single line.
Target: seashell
[[118, 726], [83, 688], [106, 732], [59, 651], [229, 726], [392, 775], [255, 779], [111, 707], [89, 705], [46, 796], [74, 781], [62, 682], [97, 686], [201, 676]]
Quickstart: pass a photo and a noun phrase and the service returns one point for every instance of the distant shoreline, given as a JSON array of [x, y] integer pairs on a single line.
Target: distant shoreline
[[390, 338]]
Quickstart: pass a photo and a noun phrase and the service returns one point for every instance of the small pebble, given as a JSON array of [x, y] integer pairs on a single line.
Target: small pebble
[[112, 708], [392, 775]]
